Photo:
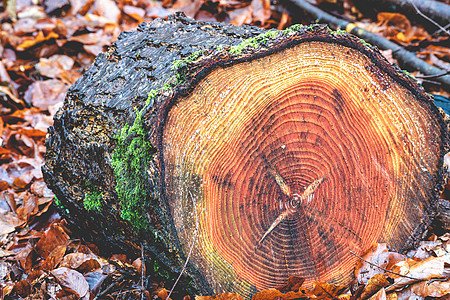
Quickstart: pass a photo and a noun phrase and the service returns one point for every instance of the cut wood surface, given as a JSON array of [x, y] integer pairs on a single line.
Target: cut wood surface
[[275, 154]]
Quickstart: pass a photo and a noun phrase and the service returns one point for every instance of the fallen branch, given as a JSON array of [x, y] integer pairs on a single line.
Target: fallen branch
[[438, 11], [405, 58]]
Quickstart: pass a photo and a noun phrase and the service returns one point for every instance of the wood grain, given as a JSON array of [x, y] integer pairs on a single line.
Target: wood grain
[[251, 138]]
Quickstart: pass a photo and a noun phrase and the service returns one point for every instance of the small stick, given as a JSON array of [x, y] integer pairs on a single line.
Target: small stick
[[142, 271], [432, 76], [428, 18], [381, 268]]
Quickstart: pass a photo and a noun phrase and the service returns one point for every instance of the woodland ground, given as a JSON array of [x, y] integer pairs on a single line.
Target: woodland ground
[[46, 45]]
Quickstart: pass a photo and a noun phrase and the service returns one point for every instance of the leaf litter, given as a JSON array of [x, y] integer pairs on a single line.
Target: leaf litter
[[45, 47]]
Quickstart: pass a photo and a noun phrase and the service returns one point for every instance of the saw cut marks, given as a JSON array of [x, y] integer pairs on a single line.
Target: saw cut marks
[[294, 160]]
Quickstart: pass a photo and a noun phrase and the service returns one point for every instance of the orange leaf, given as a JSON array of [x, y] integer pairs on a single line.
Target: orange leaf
[[272, 294], [36, 40], [226, 296]]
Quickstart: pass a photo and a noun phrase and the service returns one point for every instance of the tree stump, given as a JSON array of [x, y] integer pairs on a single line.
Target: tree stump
[[257, 154]]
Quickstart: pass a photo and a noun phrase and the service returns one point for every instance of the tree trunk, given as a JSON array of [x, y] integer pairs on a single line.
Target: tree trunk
[[257, 154]]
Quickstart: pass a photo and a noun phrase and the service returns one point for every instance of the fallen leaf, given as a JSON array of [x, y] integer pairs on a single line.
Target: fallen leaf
[[95, 280], [293, 284], [324, 290], [375, 285], [225, 296], [261, 11], [39, 38], [75, 260], [88, 266], [22, 288], [17, 101], [380, 295], [241, 16], [430, 268], [136, 13], [73, 280], [52, 238], [189, 7], [108, 9], [43, 94], [272, 294], [379, 256], [431, 288]]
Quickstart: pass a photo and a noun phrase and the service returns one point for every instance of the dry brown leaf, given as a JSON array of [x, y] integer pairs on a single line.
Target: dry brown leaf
[[73, 280], [225, 296], [376, 283], [430, 268], [323, 290], [54, 258], [380, 256], [53, 237], [261, 11], [22, 288], [108, 9], [293, 284], [43, 94], [380, 295], [11, 96], [272, 294], [88, 266], [9, 221], [431, 288], [162, 293], [39, 38], [397, 27], [75, 260], [189, 7], [241, 16], [136, 13]]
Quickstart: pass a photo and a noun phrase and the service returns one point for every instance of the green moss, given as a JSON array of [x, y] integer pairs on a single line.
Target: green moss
[[161, 271], [130, 161], [176, 65], [255, 41], [339, 31], [409, 74], [60, 205], [92, 200]]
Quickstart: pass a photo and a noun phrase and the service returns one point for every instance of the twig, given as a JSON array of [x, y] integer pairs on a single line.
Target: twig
[[419, 12], [440, 30], [190, 250], [404, 57], [105, 291], [432, 76], [142, 271], [381, 268]]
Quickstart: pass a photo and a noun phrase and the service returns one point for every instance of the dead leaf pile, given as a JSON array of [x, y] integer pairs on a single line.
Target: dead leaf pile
[[38, 264]]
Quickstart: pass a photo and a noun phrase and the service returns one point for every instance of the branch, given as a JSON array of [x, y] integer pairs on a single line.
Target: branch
[[436, 10], [419, 12], [405, 58]]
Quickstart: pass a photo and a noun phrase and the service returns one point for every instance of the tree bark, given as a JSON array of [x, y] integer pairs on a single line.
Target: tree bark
[[264, 154]]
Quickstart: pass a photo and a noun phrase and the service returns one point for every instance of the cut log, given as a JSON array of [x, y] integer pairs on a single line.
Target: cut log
[[258, 154]]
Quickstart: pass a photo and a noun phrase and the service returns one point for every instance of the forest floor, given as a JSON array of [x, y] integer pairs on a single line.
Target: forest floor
[[45, 47]]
